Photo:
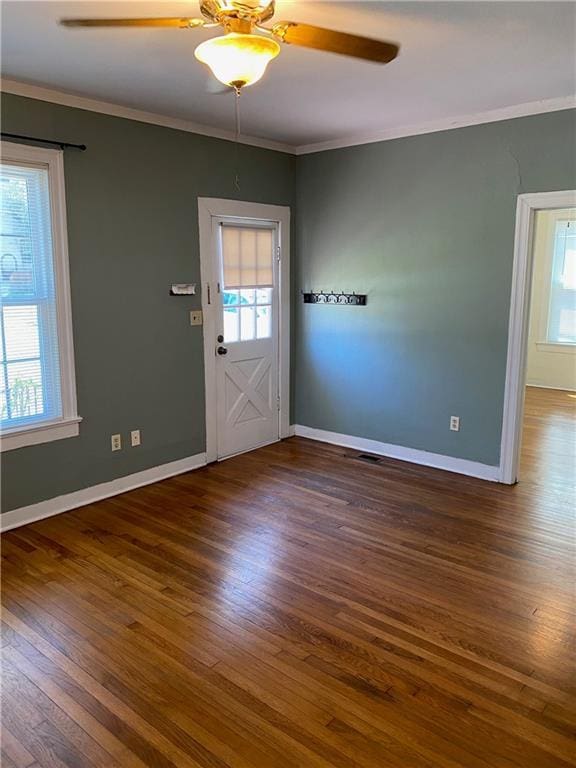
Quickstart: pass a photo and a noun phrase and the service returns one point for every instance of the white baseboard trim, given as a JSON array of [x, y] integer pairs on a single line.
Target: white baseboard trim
[[24, 515], [291, 430], [436, 460]]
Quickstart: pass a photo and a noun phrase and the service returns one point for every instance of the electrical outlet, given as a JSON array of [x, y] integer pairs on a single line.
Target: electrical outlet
[[135, 437], [455, 423], [196, 317], [116, 441]]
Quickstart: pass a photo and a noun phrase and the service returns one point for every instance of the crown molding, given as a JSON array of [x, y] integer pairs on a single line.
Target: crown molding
[[446, 124], [41, 93], [526, 109]]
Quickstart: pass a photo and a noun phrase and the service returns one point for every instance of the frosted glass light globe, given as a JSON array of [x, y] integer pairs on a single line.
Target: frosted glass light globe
[[237, 59]]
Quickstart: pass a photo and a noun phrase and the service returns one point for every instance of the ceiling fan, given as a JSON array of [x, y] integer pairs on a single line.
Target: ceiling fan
[[240, 56]]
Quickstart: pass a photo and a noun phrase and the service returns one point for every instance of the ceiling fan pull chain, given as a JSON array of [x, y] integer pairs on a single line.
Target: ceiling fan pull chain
[[237, 135]]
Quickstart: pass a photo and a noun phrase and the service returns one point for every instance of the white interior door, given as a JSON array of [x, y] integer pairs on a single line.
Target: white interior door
[[246, 333]]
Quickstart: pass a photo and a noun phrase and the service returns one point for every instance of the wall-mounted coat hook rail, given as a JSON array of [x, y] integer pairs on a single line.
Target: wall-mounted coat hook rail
[[331, 297]]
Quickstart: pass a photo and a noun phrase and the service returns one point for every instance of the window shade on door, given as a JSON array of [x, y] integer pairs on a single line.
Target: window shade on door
[[29, 360], [247, 257]]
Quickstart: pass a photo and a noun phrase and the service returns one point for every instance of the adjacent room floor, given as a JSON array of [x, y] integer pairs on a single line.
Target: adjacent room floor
[[297, 606], [549, 439]]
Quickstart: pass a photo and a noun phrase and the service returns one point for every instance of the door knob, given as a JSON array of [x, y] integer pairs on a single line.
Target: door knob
[[222, 351]]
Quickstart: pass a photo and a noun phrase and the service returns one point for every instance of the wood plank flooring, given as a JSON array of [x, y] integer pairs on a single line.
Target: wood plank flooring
[[296, 606]]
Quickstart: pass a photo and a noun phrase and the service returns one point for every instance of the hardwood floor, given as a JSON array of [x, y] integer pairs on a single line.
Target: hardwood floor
[[549, 438], [297, 606]]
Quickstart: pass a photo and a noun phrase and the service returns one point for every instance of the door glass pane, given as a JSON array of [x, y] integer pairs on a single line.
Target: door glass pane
[[230, 297], [264, 322], [264, 295], [231, 318], [247, 275], [247, 323]]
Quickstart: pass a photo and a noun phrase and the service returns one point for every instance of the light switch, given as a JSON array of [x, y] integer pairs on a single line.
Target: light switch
[[196, 317]]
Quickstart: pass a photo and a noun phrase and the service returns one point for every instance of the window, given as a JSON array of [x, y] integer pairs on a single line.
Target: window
[[248, 279], [247, 314], [37, 390], [562, 308]]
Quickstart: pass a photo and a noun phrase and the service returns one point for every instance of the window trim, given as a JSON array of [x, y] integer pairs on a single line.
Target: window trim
[[560, 347], [68, 424]]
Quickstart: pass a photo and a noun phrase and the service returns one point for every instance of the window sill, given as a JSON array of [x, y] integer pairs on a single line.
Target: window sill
[[42, 433], [550, 346]]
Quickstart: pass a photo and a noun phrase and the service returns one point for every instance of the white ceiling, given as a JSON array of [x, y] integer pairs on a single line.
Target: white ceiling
[[456, 59]]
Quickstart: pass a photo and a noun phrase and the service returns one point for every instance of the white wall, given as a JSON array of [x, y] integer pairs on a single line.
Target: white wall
[[549, 365]]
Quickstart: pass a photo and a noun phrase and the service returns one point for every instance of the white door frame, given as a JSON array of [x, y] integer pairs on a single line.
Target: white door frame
[[208, 207], [526, 207]]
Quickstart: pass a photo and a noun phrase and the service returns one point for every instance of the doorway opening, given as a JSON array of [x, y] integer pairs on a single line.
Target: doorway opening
[[549, 423], [244, 255], [539, 429]]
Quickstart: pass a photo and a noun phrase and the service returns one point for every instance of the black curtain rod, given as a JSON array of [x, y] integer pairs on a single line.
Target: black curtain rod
[[61, 144]]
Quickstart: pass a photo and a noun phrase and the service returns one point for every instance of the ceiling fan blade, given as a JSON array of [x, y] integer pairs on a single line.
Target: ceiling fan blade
[[182, 23], [309, 36]]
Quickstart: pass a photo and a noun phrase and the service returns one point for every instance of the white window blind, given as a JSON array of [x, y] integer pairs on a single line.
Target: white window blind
[[30, 389], [247, 257], [562, 309]]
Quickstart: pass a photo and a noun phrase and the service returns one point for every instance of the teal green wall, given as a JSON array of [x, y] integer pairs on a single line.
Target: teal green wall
[[133, 230], [424, 226]]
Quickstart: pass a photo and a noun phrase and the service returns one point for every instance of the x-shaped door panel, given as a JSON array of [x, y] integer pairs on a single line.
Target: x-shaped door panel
[[249, 400]]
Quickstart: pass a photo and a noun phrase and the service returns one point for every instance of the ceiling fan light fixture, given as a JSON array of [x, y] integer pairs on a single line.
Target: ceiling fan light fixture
[[236, 59]]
